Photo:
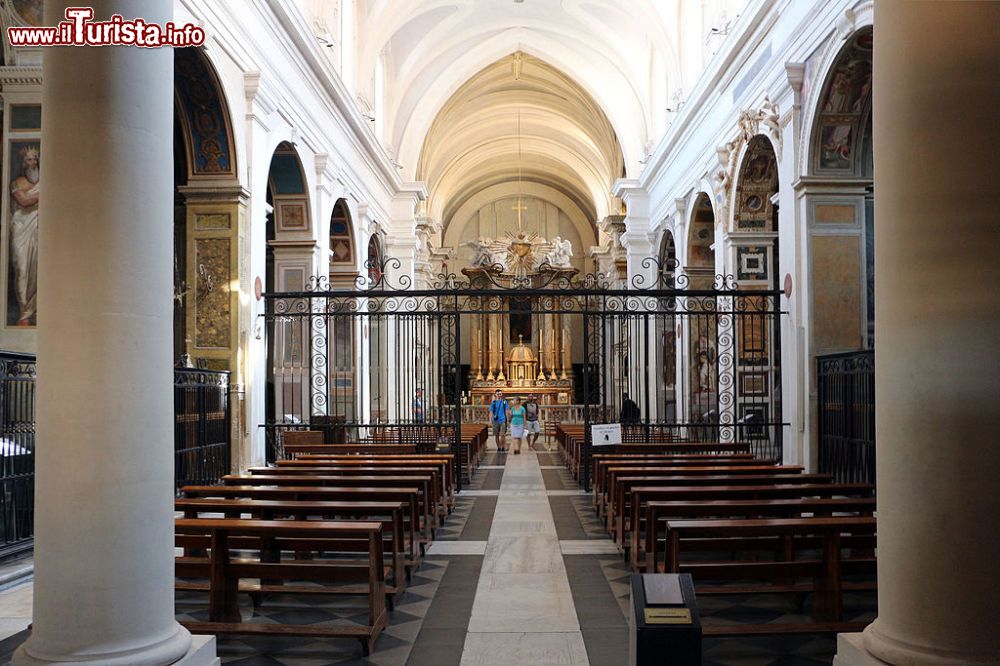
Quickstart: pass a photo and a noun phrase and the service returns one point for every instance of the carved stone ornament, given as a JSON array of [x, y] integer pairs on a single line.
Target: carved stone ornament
[[764, 120]]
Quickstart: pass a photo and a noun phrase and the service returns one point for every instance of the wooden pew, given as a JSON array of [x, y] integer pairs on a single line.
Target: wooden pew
[[776, 488], [298, 450], [437, 473], [410, 497], [424, 483], [399, 543], [224, 572], [827, 572], [792, 507], [620, 501], [613, 471], [600, 462], [446, 463]]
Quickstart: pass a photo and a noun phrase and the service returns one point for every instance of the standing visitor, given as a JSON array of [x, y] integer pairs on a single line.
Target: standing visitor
[[517, 424], [532, 426], [499, 410], [419, 413]]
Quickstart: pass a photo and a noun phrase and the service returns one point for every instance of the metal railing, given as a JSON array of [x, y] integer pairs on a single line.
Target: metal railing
[[201, 426], [17, 453], [201, 440], [846, 392]]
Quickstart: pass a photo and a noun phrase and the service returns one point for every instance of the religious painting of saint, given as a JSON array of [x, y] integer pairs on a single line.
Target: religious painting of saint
[[30, 11], [836, 147], [703, 355], [22, 243]]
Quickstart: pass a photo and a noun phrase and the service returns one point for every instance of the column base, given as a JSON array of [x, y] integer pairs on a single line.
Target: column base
[[851, 652], [180, 649], [202, 652], [886, 649]]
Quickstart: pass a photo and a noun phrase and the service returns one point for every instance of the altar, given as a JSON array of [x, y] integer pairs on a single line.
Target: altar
[[518, 345]]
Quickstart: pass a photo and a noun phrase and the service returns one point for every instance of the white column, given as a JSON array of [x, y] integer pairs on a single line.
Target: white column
[[937, 320], [104, 555]]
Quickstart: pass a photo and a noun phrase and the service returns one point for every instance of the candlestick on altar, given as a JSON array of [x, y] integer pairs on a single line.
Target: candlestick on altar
[[500, 375], [480, 339], [489, 355], [567, 361]]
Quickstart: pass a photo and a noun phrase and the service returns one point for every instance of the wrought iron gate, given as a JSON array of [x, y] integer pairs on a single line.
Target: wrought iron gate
[[386, 362]]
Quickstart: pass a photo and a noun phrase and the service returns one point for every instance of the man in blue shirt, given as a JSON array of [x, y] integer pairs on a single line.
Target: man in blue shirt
[[419, 414], [499, 417]]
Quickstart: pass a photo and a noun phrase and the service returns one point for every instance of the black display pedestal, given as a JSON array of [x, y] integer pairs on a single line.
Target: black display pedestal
[[664, 629]]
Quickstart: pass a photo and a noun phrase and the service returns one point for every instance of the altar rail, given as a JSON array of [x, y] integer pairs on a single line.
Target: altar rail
[[846, 392], [546, 413]]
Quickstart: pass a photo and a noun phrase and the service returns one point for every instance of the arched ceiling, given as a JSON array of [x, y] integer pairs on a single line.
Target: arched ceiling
[[520, 116], [625, 60]]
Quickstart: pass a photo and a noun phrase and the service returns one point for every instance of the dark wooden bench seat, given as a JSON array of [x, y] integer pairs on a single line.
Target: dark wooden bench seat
[[299, 450], [442, 489], [647, 533], [601, 463], [224, 573], [409, 496], [620, 503], [401, 542], [612, 475], [361, 460], [826, 572], [776, 488], [427, 491]]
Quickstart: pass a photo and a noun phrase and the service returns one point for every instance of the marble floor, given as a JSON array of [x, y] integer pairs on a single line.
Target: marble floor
[[523, 611]]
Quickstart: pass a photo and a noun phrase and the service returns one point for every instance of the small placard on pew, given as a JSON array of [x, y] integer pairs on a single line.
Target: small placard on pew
[[607, 434]]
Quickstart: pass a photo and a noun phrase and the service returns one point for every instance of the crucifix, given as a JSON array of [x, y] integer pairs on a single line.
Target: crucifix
[[519, 208]]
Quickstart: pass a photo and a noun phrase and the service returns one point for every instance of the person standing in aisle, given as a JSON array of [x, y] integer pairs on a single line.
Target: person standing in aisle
[[532, 426], [517, 413], [499, 412]]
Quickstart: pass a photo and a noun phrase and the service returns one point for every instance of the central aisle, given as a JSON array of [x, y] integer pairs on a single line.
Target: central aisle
[[523, 611]]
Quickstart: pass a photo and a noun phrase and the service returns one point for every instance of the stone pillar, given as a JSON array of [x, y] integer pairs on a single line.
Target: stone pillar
[[936, 342], [104, 540]]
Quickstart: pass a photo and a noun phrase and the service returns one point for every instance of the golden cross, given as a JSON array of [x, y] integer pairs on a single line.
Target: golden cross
[[519, 207]]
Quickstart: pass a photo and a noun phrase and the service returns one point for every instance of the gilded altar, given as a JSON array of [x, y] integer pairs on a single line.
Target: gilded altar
[[518, 344]]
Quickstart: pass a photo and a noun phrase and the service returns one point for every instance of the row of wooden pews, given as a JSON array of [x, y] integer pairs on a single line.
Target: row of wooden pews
[[738, 525], [570, 442], [353, 524], [395, 440]]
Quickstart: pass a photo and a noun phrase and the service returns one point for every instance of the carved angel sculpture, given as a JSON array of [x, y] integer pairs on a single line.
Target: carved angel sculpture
[[559, 255]]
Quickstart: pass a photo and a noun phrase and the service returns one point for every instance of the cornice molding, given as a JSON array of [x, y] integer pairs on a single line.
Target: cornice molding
[[19, 75]]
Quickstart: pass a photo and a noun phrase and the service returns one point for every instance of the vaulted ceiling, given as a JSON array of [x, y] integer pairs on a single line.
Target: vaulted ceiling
[[592, 89], [520, 118]]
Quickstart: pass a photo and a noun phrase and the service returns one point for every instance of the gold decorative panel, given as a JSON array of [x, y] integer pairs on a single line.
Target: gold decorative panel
[[212, 307], [836, 280], [211, 220]]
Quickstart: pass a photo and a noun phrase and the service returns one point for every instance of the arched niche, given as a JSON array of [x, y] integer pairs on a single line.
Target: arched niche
[[204, 115], [292, 244], [667, 260], [208, 209], [666, 329], [700, 256], [343, 267], [841, 130], [755, 215], [374, 260], [840, 206]]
